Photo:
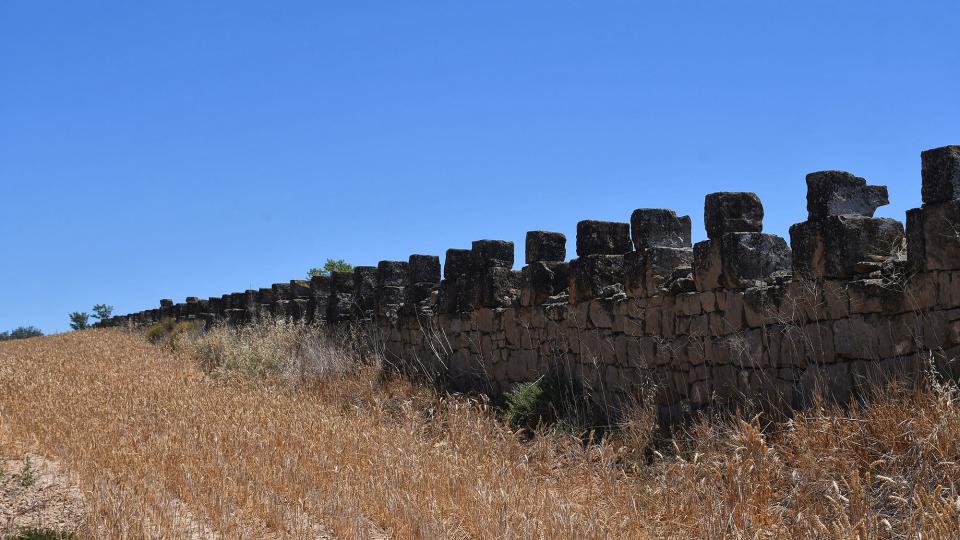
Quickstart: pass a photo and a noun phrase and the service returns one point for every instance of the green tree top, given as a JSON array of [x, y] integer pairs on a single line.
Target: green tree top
[[78, 320], [21, 332], [102, 311], [338, 265]]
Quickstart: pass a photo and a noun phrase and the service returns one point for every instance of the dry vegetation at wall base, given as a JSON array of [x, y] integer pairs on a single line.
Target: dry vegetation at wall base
[[286, 437]]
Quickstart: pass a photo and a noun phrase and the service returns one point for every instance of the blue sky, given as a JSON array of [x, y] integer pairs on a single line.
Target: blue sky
[[172, 149]]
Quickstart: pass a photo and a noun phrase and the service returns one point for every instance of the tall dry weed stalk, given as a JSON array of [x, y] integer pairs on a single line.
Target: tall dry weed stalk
[[293, 350]]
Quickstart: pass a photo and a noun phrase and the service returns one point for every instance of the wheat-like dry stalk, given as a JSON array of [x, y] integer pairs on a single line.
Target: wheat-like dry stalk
[[164, 449]]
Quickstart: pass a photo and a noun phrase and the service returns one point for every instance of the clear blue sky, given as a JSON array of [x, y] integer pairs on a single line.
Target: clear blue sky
[[166, 149]]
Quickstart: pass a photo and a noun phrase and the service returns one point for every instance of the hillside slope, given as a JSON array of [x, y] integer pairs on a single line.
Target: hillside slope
[[160, 449]]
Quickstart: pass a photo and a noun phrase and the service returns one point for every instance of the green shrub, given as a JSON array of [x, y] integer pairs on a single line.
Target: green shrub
[[172, 333], [527, 404], [32, 533], [338, 265], [21, 332], [554, 400]]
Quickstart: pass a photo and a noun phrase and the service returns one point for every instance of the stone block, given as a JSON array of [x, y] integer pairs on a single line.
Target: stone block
[[850, 240], [365, 287], [708, 302], [832, 193], [389, 300], [707, 265], [300, 288], [732, 212], [592, 275], [659, 227], [543, 279], [166, 302], [249, 300], [424, 268], [650, 271], [457, 262], [340, 306], [392, 273], [916, 247], [266, 296], [419, 292], [545, 246], [602, 238], [940, 174], [941, 235], [460, 295], [748, 257], [501, 287], [761, 305], [341, 282], [809, 250], [491, 254], [281, 291], [320, 285], [855, 338]]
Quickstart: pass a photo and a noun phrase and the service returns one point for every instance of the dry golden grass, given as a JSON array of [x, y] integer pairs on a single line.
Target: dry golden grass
[[163, 450]]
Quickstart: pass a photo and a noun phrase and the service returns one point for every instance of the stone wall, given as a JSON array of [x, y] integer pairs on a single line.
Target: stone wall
[[853, 301]]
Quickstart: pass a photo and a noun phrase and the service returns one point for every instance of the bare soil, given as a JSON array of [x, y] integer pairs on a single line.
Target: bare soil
[[36, 493]]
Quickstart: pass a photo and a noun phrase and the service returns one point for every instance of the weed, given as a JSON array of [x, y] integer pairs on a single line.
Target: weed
[[32, 533], [27, 474]]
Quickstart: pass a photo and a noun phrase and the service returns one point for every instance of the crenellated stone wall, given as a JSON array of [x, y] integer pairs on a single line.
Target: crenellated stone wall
[[853, 301]]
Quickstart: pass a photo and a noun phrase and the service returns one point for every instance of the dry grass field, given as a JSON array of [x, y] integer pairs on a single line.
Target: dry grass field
[[168, 444]]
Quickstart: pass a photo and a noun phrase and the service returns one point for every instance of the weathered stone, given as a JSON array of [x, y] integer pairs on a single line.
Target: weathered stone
[[492, 253], [940, 173], [461, 294], [545, 246], [732, 212], [542, 280], [916, 247], [341, 282], [392, 273], [648, 272], [832, 193], [419, 292], [266, 296], [457, 262], [389, 300], [659, 227], [809, 250], [340, 305], [166, 302], [591, 274], [501, 287], [850, 239], [320, 285], [602, 238], [707, 265], [281, 291], [748, 257], [365, 287], [424, 268], [941, 235], [300, 288]]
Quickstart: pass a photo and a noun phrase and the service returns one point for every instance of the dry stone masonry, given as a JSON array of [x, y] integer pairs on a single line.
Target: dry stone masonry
[[852, 302]]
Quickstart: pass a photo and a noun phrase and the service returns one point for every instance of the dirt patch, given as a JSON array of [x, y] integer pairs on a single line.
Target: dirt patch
[[35, 493]]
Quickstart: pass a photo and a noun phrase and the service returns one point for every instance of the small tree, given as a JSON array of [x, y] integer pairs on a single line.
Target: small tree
[[102, 312], [78, 320], [338, 265]]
